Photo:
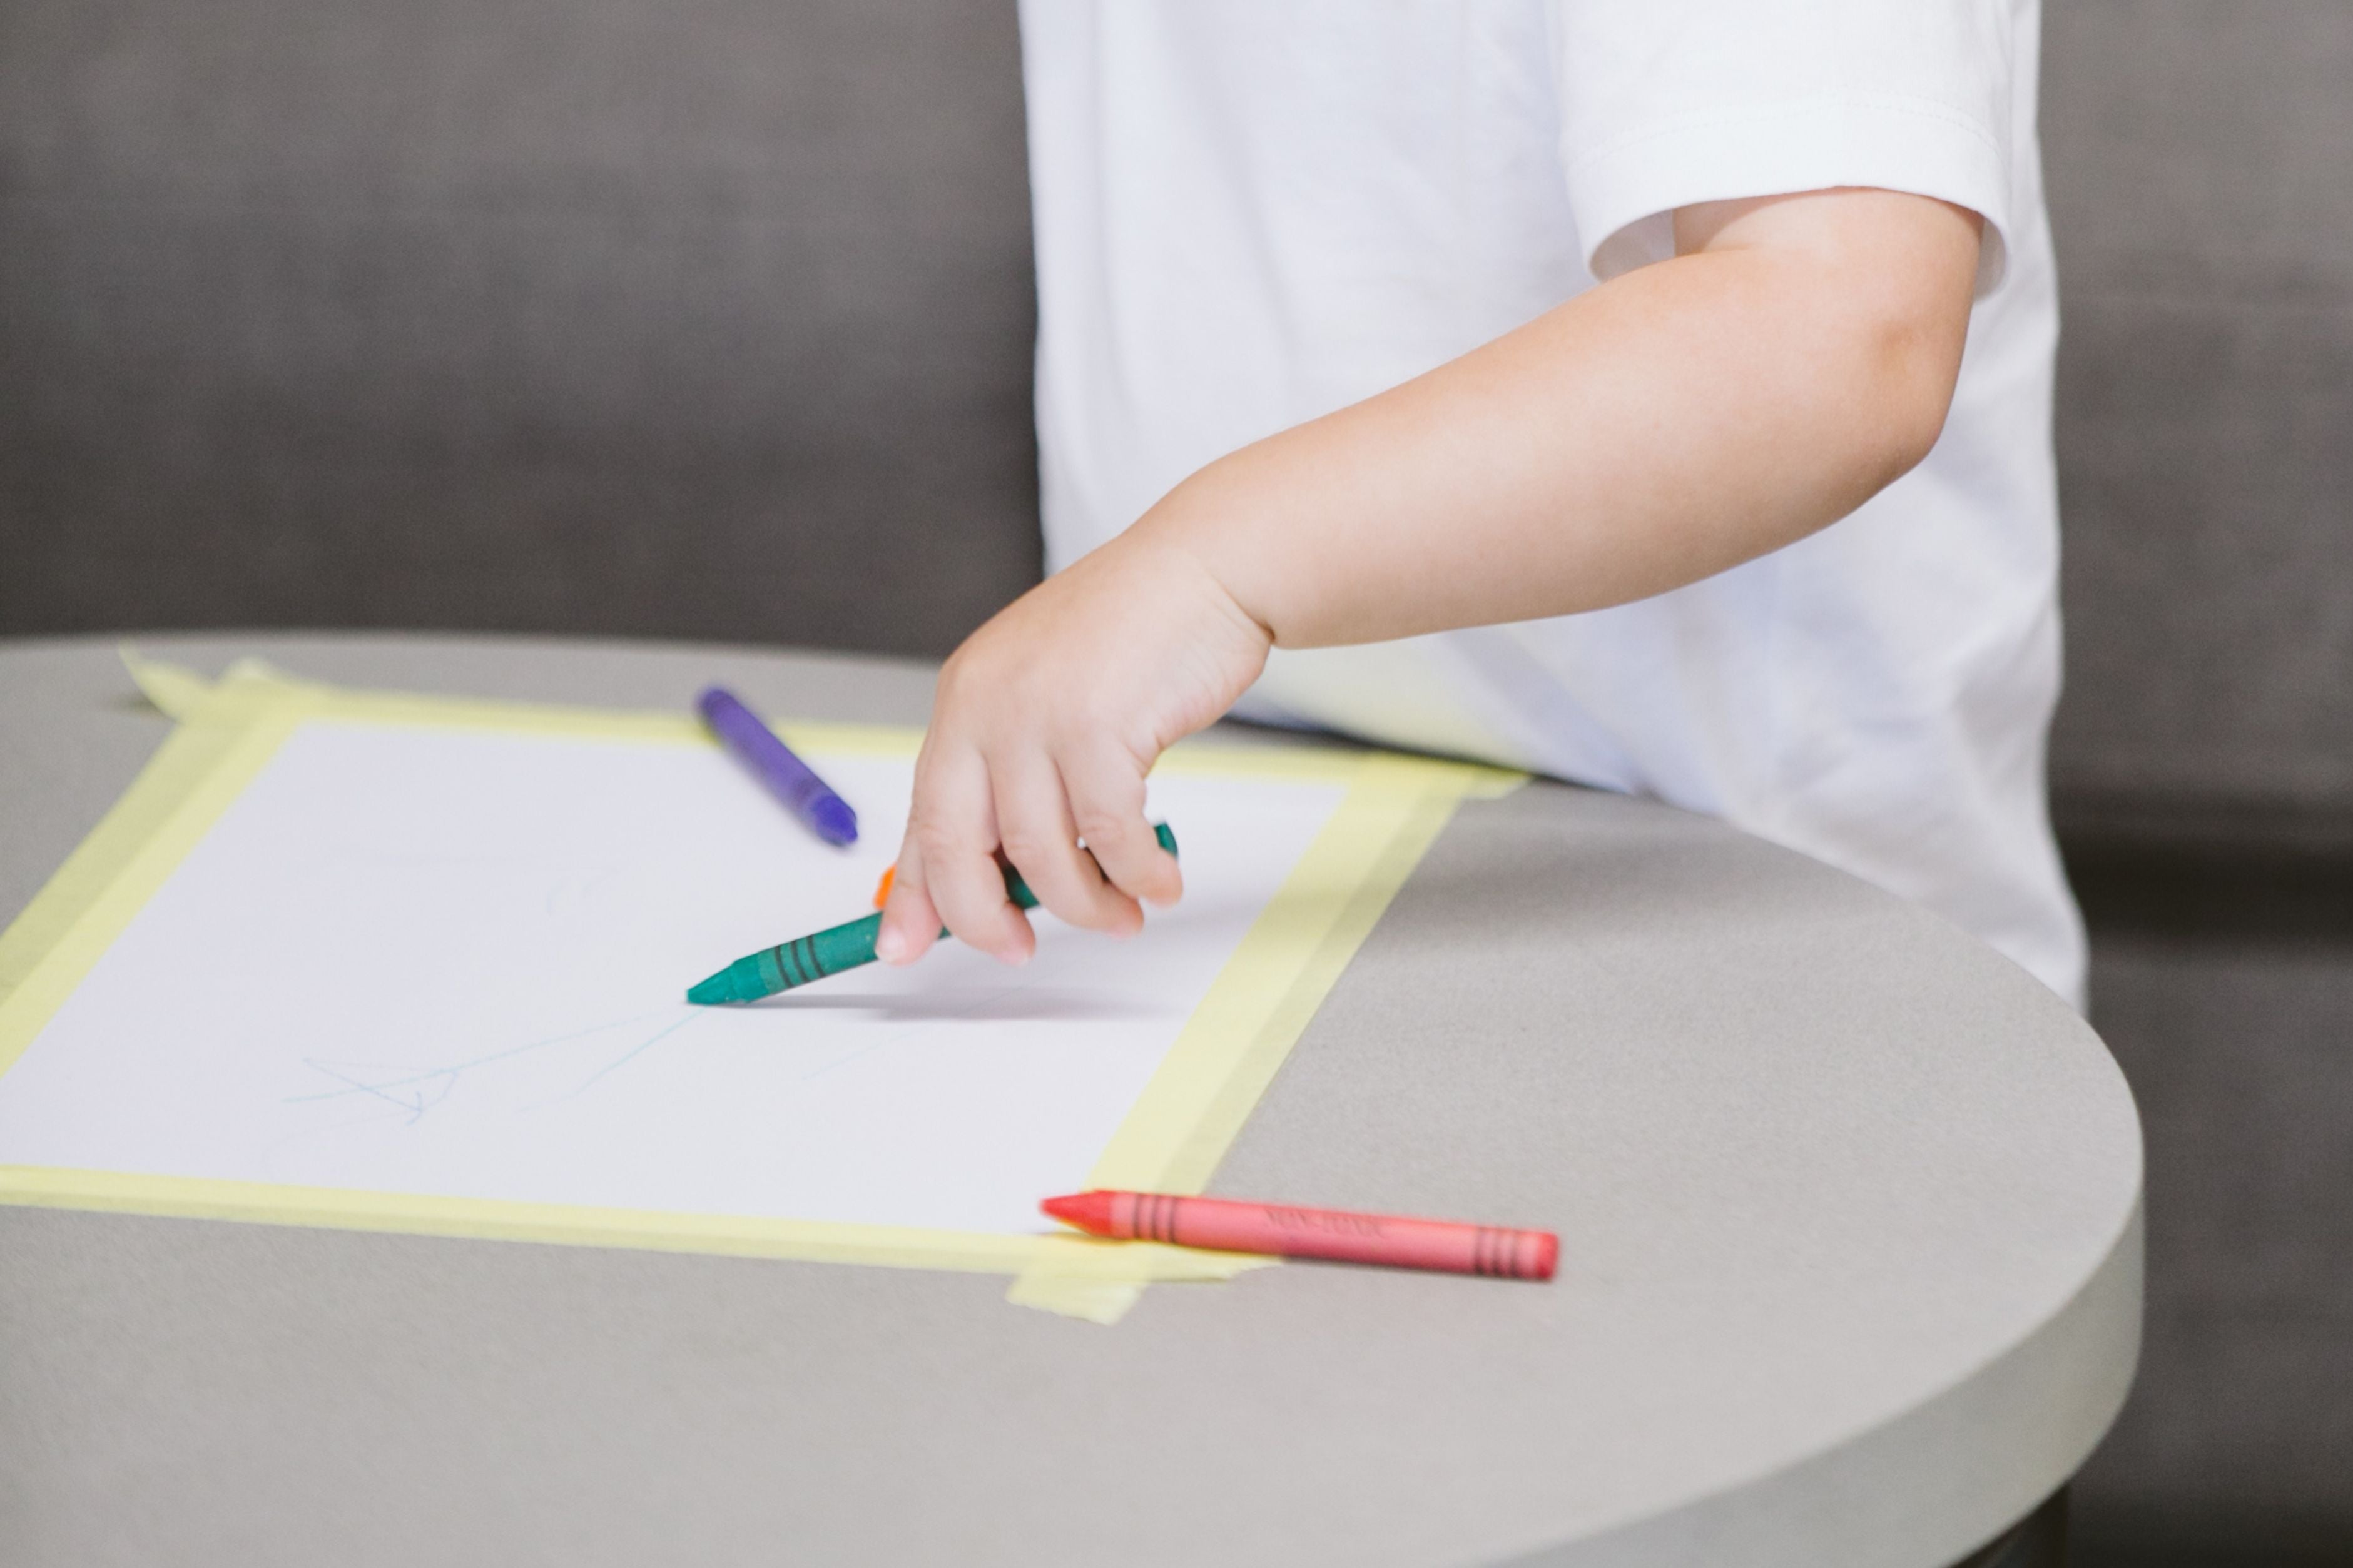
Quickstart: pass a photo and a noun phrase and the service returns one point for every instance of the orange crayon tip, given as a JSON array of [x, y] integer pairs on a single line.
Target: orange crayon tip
[[882, 888]]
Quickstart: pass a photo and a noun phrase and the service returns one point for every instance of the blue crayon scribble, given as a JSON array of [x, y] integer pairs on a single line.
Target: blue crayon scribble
[[662, 1034], [416, 1091]]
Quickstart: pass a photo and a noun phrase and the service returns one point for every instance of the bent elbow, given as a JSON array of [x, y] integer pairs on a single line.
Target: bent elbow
[[1911, 360]]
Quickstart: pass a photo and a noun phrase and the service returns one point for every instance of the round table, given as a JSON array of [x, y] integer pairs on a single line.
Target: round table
[[1849, 1207]]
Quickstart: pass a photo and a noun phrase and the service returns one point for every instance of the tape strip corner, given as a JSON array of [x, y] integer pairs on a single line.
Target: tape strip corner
[[175, 690]]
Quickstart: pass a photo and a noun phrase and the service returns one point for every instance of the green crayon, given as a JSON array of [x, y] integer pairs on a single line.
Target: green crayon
[[829, 952]]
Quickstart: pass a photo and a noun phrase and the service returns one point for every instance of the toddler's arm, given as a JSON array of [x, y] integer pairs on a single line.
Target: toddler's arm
[[1797, 354]]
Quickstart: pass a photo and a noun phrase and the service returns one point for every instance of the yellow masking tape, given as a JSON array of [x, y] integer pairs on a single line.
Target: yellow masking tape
[[1171, 1141], [199, 770], [250, 686], [193, 1197], [1206, 1088]]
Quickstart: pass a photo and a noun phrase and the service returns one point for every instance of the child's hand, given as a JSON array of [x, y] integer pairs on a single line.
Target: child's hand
[[1046, 723], [1797, 354]]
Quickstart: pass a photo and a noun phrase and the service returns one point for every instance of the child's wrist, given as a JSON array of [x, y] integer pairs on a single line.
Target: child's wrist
[[1193, 533]]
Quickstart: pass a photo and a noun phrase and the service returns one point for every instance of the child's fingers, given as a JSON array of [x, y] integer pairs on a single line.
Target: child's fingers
[[1033, 825], [909, 923], [954, 833], [1107, 795]]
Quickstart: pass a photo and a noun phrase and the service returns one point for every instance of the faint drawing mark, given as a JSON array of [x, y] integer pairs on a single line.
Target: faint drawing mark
[[661, 1034], [416, 1091]]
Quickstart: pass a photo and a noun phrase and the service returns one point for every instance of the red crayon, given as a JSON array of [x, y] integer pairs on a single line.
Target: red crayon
[[1291, 1232]]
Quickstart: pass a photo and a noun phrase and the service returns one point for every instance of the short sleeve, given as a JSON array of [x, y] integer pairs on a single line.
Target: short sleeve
[[1669, 102]]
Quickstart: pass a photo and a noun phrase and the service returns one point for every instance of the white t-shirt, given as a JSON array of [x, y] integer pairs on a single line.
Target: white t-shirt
[[1250, 212]]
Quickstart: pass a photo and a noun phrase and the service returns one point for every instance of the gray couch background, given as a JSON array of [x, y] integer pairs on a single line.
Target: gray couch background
[[2201, 165], [708, 319], [712, 319]]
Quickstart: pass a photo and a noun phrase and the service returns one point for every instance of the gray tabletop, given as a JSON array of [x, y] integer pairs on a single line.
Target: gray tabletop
[[1849, 1209]]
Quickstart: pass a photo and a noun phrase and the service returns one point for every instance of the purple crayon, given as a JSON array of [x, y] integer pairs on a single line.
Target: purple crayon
[[785, 775]]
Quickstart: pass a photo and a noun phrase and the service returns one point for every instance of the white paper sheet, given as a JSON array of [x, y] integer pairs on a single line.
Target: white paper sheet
[[452, 962]]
